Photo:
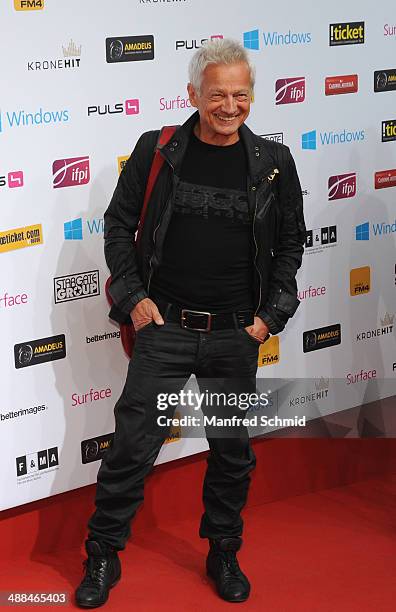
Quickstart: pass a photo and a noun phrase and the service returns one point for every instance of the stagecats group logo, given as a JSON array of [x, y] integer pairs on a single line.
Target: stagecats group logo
[[21, 237], [71, 59], [12, 179], [76, 286], [28, 5], [35, 352], [129, 49], [70, 172], [359, 280], [388, 130], [342, 186], [195, 43], [269, 353], [343, 84], [347, 33], [37, 462], [129, 107], [320, 238], [95, 448], [290, 90], [320, 338], [385, 178], [385, 80]]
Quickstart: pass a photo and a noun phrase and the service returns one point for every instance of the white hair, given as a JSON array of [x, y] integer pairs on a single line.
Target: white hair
[[218, 51]]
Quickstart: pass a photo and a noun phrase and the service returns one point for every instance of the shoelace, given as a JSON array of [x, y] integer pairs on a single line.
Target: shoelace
[[95, 571], [231, 563]]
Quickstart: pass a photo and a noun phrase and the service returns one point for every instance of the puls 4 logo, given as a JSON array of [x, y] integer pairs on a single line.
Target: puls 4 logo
[[12, 180], [129, 107]]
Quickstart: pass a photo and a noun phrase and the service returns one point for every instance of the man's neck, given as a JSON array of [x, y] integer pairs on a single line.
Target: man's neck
[[213, 138]]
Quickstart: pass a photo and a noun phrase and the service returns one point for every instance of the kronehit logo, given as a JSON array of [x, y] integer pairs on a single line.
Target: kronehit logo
[[342, 186], [311, 140], [70, 172], [22, 118], [251, 40], [73, 230], [349, 33], [290, 90]]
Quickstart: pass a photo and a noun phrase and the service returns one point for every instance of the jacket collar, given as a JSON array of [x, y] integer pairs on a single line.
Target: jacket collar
[[258, 157]]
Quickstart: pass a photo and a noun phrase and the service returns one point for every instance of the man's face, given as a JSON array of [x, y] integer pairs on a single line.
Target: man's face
[[223, 101]]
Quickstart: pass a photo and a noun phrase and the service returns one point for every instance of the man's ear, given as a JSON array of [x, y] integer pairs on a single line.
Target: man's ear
[[192, 95]]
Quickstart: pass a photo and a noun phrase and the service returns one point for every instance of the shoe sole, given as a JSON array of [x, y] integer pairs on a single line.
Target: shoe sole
[[81, 605], [238, 600]]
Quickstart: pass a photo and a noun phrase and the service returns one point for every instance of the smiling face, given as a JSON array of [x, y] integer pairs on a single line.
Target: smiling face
[[223, 102]]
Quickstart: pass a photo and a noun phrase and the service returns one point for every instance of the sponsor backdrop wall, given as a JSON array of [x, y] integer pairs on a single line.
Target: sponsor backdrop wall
[[80, 83]]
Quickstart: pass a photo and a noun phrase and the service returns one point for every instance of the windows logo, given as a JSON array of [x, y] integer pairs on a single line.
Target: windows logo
[[363, 231], [73, 229], [251, 40], [308, 140]]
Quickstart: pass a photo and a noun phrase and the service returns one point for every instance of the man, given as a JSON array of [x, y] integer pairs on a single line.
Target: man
[[213, 275]]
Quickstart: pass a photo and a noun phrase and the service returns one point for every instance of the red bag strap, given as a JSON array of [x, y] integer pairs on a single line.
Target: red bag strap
[[164, 137]]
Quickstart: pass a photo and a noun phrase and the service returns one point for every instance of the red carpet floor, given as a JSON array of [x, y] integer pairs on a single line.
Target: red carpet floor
[[328, 551]]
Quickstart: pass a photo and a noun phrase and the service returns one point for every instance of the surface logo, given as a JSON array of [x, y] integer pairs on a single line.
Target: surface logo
[[347, 83], [22, 118], [129, 107], [385, 80], [14, 179], [34, 352], [28, 5], [323, 337], [36, 462], [73, 230], [385, 178], [342, 186], [269, 352], [95, 448], [348, 33], [21, 237], [290, 90], [70, 172], [76, 286], [388, 131], [311, 140], [129, 49], [251, 40], [359, 280]]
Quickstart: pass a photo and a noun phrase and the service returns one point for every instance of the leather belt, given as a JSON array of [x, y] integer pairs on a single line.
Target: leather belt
[[199, 320]]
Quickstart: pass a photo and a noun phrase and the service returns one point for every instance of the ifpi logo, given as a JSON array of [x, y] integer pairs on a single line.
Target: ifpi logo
[[290, 91], [342, 186], [69, 172]]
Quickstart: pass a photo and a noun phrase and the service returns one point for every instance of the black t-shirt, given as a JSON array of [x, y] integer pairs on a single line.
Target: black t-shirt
[[207, 253]]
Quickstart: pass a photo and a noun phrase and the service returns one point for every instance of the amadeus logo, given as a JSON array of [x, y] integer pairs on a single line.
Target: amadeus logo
[[94, 449], [23, 118], [347, 33], [129, 107], [385, 80], [347, 83], [388, 131], [34, 352], [70, 172], [12, 180], [195, 43], [385, 178], [276, 137], [342, 186], [76, 286], [37, 462], [323, 337], [310, 141], [359, 281], [71, 59], [251, 40], [316, 240], [129, 49], [73, 230], [290, 90]]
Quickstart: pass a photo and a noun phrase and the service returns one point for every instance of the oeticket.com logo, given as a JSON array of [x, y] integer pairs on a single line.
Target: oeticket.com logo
[[21, 237], [290, 90], [70, 172], [35, 352], [323, 337]]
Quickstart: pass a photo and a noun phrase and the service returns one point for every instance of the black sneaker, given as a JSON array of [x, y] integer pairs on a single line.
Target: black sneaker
[[102, 571], [222, 565]]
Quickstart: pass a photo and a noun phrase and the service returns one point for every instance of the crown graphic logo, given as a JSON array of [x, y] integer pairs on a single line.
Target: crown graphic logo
[[387, 320], [322, 383], [71, 50]]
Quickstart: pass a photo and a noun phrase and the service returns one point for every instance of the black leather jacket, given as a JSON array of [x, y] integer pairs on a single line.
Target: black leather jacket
[[278, 229]]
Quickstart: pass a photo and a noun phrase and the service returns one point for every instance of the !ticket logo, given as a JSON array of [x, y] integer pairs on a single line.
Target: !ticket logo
[[69, 172], [385, 178], [342, 186], [290, 91], [347, 83]]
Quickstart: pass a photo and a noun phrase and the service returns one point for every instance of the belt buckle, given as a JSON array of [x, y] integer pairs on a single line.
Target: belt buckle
[[197, 312]]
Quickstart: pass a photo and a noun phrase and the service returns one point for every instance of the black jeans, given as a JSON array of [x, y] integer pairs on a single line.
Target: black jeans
[[164, 357]]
